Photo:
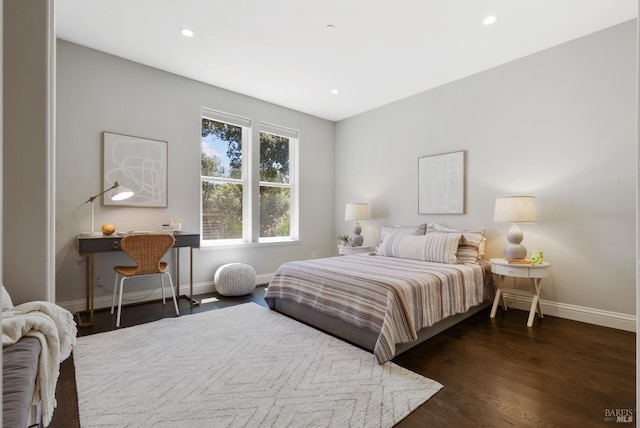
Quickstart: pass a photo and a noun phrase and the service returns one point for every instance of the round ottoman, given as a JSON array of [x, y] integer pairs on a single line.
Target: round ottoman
[[235, 279]]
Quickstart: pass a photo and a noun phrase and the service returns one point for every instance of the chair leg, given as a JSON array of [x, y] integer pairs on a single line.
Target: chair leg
[[115, 287], [120, 302], [162, 283], [173, 294]]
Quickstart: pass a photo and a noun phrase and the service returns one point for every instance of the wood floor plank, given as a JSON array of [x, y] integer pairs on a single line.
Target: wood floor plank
[[496, 372]]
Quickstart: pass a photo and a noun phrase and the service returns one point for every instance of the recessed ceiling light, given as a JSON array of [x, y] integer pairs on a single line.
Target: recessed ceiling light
[[186, 32], [489, 20], [331, 26], [335, 91]]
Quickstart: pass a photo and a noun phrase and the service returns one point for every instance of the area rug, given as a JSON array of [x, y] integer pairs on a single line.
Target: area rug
[[240, 366]]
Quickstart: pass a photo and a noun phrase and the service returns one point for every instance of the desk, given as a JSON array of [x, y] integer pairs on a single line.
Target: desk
[[90, 245]]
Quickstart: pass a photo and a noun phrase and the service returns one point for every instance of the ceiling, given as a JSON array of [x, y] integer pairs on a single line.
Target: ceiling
[[294, 52]]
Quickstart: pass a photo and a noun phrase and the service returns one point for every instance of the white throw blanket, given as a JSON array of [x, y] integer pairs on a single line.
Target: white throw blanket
[[55, 328]]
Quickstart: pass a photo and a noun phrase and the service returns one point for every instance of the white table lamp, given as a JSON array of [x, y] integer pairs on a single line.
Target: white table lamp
[[356, 211], [515, 209], [121, 194]]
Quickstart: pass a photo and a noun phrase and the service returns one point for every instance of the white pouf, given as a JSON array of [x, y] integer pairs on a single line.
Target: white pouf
[[235, 279]]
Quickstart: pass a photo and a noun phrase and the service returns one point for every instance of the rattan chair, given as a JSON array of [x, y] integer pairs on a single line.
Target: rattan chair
[[147, 251]]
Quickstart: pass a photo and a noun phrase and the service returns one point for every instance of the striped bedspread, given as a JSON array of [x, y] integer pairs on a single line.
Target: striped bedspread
[[395, 297]]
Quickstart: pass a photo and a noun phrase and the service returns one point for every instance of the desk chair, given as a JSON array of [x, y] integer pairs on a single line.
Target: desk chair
[[146, 250]]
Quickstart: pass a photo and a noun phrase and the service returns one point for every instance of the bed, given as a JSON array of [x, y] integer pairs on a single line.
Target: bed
[[411, 288]]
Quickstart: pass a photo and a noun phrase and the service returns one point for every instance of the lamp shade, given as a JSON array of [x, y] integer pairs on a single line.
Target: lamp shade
[[356, 211], [121, 193], [516, 209]]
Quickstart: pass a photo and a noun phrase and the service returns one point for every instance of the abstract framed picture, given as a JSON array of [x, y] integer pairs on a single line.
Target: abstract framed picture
[[441, 183], [139, 164]]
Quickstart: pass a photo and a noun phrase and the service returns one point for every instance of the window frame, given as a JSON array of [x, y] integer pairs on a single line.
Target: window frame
[[293, 137], [245, 125], [251, 182]]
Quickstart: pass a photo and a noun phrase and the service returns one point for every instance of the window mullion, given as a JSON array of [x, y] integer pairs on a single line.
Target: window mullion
[[247, 198]]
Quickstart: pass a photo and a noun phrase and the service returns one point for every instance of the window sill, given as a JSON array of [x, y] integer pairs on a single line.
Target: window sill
[[234, 245]]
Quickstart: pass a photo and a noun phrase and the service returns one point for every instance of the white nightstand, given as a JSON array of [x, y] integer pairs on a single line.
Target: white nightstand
[[502, 268], [346, 250]]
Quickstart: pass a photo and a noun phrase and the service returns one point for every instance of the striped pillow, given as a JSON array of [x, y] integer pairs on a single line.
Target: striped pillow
[[387, 229], [433, 247], [471, 245]]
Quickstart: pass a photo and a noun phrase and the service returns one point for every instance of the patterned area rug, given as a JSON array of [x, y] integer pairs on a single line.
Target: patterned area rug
[[241, 366]]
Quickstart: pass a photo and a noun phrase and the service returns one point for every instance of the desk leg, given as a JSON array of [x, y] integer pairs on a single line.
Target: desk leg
[[178, 272], [192, 301], [90, 276]]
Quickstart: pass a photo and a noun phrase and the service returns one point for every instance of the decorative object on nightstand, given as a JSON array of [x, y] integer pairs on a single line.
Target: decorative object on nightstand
[[122, 193], [503, 268], [515, 209], [345, 239], [356, 211], [536, 257], [347, 251]]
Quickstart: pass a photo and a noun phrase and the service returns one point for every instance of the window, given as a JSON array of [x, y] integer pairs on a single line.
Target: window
[[228, 213], [277, 190], [223, 176]]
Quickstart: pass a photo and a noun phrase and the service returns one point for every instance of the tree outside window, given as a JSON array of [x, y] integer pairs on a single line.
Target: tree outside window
[[275, 192], [222, 180]]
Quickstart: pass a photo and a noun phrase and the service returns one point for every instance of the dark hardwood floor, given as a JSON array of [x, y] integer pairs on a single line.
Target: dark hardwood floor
[[495, 372]]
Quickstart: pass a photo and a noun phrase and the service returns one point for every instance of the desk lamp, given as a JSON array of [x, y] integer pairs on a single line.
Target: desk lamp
[[515, 209], [121, 194], [356, 211]]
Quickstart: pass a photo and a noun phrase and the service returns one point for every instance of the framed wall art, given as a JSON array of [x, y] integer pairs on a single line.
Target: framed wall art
[[139, 164], [441, 183]]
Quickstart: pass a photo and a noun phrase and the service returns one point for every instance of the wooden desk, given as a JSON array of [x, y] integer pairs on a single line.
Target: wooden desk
[[90, 245]]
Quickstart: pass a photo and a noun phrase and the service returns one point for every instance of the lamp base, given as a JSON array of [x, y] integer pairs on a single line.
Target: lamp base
[[515, 252], [91, 234], [356, 239]]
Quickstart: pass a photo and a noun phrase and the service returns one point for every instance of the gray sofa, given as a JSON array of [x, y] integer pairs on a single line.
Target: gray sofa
[[19, 369]]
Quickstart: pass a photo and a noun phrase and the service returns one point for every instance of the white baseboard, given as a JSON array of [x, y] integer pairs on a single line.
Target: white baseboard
[[105, 301], [578, 313], [561, 310]]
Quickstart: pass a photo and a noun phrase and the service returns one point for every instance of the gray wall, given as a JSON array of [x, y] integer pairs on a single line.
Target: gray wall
[[28, 163], [99, 92], [559, 125]]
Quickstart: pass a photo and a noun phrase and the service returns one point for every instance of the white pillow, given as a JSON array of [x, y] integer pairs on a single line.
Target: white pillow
[[433, 247], [7, 304]]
